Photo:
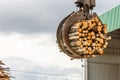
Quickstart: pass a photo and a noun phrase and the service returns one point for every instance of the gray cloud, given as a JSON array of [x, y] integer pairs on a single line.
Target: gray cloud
[[32, 15], [27, 16]]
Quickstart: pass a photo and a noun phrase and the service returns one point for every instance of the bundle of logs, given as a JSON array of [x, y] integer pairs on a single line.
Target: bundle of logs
[[3, 72], [88, 37]]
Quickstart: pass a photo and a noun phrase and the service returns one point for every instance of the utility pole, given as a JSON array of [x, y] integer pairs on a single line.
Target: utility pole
[[85, 69]]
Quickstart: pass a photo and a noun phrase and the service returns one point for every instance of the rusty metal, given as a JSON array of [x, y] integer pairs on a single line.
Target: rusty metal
[[84, 3], [59, 35]]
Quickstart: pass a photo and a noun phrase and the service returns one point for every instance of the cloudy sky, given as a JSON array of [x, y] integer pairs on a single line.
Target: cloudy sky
[[27, 38]]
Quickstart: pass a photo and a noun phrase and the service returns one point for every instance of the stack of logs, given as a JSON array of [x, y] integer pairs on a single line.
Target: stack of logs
[[89, 37], [3, 74]]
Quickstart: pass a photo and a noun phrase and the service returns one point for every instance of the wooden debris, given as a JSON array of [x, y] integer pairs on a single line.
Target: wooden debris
[[3, 74]]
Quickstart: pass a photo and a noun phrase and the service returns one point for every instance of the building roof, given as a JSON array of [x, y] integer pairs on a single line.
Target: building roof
[[111, 18]]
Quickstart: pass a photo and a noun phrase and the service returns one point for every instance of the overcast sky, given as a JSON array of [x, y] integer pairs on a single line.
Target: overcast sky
[[27, 16], [27, 37]]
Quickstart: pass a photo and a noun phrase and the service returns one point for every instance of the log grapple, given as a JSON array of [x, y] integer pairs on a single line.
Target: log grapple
[[82, 34]]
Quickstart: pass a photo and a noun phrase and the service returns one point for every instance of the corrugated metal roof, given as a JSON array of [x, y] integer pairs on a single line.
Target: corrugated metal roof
[[112, 18]]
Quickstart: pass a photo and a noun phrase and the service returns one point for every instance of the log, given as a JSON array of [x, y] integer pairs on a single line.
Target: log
[[89, 34], [100, 50], [84, 23], [93, 37], [72, 43], [97, 35], [99, 23], [108, 38], [99, 40], [79, 30], [86, 52], [99, 29], [105, 30], [73, 37], [90, 41], [73, 30], [78, 43], [74, 48], [89, 37], [90, 24], [80, 39], [82, 50], [89, 48], [104, 25], [92, 33], [96, 19], [74, 27], [89, 28], [80, 34], [93, 24], [74, 34], [86, 34], [90, 52], [104, 46], [78, 24], [94, 44], [85, 43], [81, 46], [106, 43], [99, 45], [85, 38], [85, 31], [102, 36]]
